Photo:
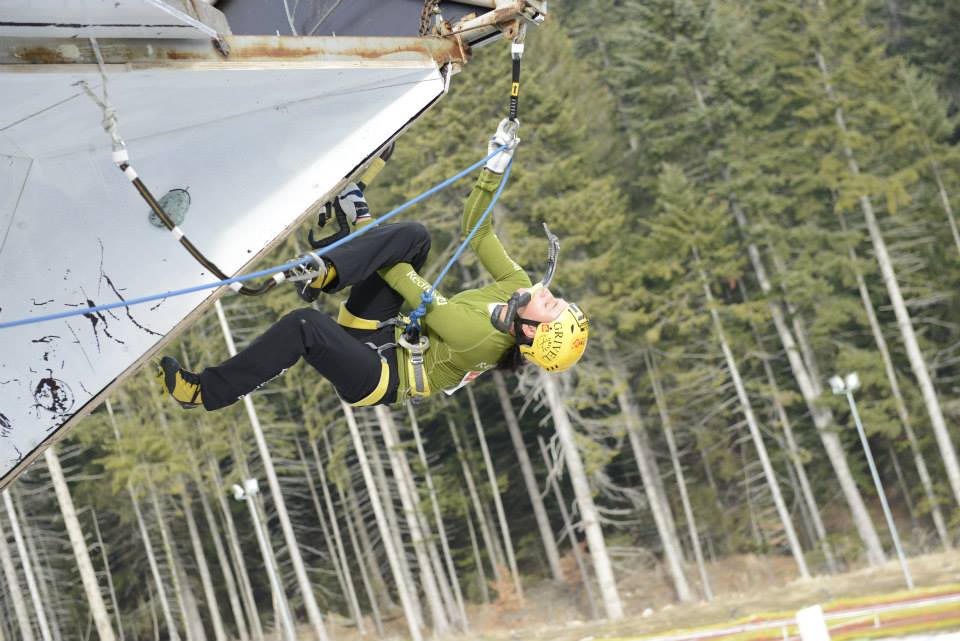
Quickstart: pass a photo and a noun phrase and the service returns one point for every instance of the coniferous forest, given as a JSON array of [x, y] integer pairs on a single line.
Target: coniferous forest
[[751, 197]]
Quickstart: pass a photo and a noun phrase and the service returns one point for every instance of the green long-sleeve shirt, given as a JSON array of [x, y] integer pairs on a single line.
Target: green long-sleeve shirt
[[462, 339]]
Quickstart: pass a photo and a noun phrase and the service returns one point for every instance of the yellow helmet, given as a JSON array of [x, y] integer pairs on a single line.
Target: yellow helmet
[[559, 343]]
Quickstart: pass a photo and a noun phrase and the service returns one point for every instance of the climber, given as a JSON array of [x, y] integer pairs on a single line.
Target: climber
[[363, 353]]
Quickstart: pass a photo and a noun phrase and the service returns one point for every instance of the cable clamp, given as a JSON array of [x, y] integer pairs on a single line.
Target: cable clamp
[[177, 232], [120, 156]]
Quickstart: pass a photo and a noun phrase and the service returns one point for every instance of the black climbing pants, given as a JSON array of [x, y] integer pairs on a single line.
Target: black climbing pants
[[342, 355]]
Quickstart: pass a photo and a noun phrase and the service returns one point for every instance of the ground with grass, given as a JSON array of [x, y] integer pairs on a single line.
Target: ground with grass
[[745, 586]]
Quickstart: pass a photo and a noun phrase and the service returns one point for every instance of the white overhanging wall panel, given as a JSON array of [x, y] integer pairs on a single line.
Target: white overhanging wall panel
[[83, 18], [255, 147]]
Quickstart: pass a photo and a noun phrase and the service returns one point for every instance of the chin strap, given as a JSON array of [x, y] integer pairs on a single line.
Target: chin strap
[[512, 319]]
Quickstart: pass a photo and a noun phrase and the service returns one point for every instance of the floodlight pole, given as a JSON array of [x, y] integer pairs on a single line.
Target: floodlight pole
[[247, 492], [847, 387]]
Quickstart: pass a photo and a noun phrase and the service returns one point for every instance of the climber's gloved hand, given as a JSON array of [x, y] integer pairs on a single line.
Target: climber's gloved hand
[[506, 136], [352, 203]]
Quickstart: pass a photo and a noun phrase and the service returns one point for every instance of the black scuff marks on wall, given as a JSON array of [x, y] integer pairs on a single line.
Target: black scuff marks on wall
[[5, 426], [45, 339], [98, 322], [133, 320], [53, 395], [41, 303], [15, 461]]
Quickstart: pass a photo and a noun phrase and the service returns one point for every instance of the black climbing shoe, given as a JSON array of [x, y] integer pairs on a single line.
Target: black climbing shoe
[[182, 385]]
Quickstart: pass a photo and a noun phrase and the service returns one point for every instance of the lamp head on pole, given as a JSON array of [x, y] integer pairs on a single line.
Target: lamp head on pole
[[836, 385], [843, 385], [853, 382]]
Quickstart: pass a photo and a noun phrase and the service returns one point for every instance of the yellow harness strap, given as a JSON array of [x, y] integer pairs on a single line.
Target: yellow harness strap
[[416, 375], [378, 392], [347, 319]]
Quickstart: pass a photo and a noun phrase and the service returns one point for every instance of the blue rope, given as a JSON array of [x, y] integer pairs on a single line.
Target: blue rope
[[427, 297], [264, 272]]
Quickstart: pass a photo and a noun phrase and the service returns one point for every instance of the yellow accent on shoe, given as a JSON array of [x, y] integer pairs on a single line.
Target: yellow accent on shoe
[[328, 277], [182, 385]]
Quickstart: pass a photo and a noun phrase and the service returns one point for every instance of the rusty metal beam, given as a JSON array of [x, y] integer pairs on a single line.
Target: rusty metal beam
[[38, 54]]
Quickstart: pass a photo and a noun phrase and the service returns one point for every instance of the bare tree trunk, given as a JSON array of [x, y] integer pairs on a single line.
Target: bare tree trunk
[[369, 552], [106, 566], [653, 486], [647, 465], [386, 502], [153, 613], [495, 492], [793, 452], [426, 532], [41, 561], [568, 528], [902, 412], [403, 587], [917, 362], [399, 457], [754, 428], [529, 479], [588, 512], [438, 518], [229, 582], [758, 541], [934, 165], [475, 500], [377, 581], [189, 598], [362, 565], [27, 566], [88, 577], [904, 490], [335, 548], [428, 580], [175, 577], [205, 580], [823, 420], [478, 561], [172, 629], [13, 585], [678, 472], [289, 536], [236, 553]]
